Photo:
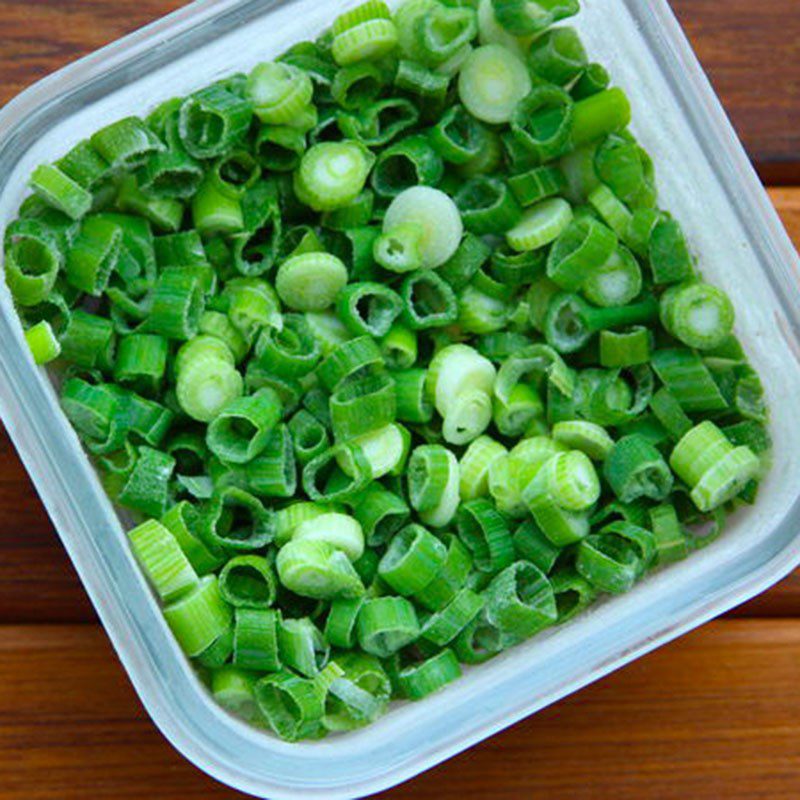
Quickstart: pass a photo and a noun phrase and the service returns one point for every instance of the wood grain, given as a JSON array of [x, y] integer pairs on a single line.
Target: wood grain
[[714, 715], [750, 50]]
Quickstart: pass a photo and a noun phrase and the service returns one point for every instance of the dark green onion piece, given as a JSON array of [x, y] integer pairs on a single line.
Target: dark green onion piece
[[520, 601], [93, 255], [241, 430], [542, 124], [458, 137], [309, 436], [471, 255], [368, 308], [573, 593], [428, 302], [213, 120], [290, 351], [32, 261], [583, 247], [387, 624], [237, 520], [410, 162], [381, 514], [634, 469], [615, 557], [147, 487], [248, 582], [487, 205], [355, 356], [688, 379], [273, 473], [485, 532], [525, 17], [593, 80], [558, 56]]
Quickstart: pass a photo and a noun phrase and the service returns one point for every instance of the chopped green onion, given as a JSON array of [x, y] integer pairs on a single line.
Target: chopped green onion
[[332, 174], [492, 82], [162, 560], [484, 531], [315, 568], [387, 624], [699, 315], [634, 469], [339, 530], [42, 342], [408, 163], [200, 617], [438, 217], [524, 17], [520, 601], [430, 676], [540, 225]]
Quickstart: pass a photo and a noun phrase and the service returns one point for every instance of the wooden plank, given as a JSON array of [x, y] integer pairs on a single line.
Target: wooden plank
[[751, 51], [37, 583], [716, 714]]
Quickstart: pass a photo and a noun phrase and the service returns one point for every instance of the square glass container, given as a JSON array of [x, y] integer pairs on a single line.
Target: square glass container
[[704, 178]]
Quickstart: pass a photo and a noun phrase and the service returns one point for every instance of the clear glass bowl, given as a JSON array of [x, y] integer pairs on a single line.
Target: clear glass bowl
[[704, 178]]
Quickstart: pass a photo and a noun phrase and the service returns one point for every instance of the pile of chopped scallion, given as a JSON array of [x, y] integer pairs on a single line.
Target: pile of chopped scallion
[[391, 349]]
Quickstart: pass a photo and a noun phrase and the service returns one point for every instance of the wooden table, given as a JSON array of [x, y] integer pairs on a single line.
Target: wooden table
[[714, 715]]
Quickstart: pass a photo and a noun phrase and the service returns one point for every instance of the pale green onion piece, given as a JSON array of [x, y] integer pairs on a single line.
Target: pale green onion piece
[[400, 249], [288, 518], [332, 174], [726, 479], [42, 342], [328, 329], [540, 225], [444, 511], [468, 416], [279, 92], [302, 647], [314, 568], [454, 370], [490, 31], [339, 530], [587, 437], [429, 470], [311, 281], [432, 211], [162, 560], [206, 385], [698, 314], [475, 465], [233, 689], [492, 82], [713, 468], [366, 41], [199, 618], [384, 451], [255, 639]]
